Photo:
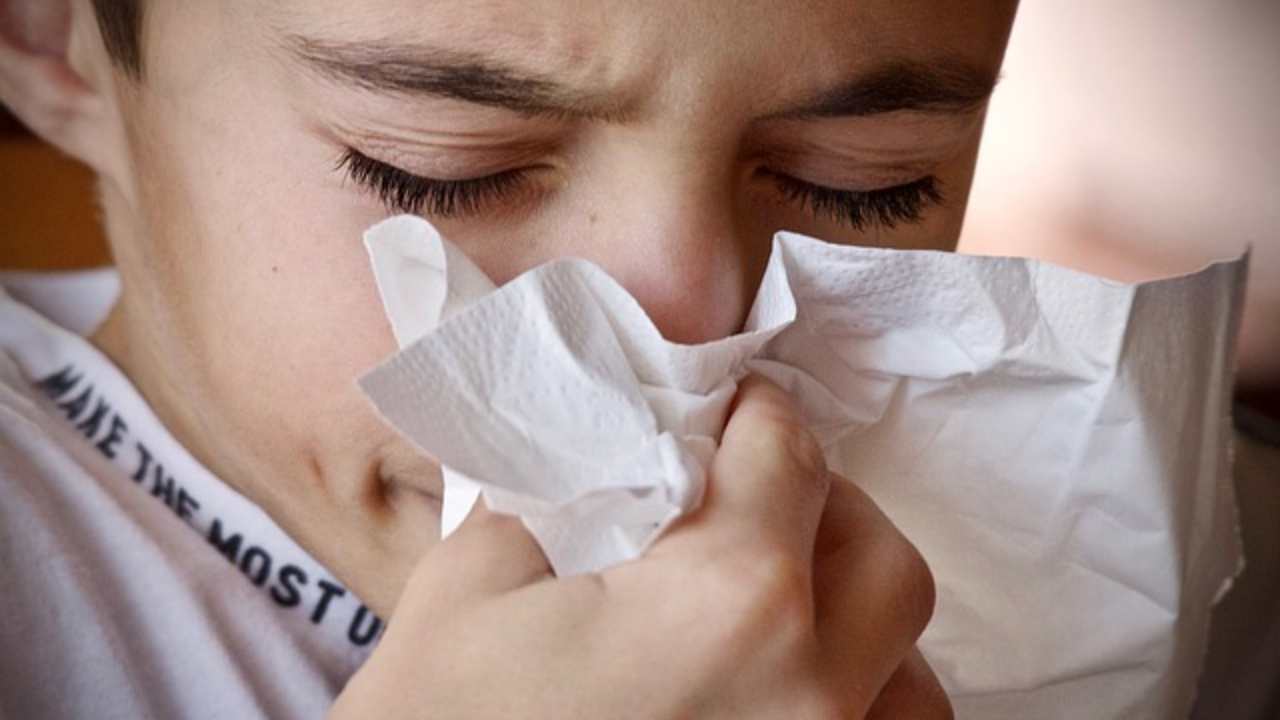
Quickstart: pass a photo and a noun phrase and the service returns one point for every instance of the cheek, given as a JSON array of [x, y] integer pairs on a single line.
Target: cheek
[[270, 310]]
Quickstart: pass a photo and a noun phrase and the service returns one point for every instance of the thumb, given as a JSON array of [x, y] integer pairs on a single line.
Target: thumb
[[489, 554], [768, 481]]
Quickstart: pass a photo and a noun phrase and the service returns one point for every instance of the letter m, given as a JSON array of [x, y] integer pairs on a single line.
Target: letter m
[[59, 383], [228, 546]]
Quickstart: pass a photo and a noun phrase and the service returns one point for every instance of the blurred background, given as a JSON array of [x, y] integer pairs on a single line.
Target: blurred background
[[1130, 139], [48, 216], [1139, 139]]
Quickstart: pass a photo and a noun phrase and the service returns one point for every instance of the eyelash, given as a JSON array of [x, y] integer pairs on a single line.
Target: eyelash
[[403, 191], [885, 208]]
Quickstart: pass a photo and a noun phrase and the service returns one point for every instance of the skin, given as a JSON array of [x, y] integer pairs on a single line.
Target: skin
[[765, 586], [1146, 163], [248, 308]]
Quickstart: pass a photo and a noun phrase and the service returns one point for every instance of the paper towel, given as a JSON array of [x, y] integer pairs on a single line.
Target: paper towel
[[1055, 444]]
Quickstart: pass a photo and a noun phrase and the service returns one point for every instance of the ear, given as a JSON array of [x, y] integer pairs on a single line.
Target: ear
[[55, 75]]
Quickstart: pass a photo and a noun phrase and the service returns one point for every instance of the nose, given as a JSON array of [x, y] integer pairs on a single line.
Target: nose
[[677, 239]]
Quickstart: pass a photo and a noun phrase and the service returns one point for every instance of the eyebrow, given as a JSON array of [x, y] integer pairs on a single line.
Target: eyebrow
[[947, 86], [466, 76]]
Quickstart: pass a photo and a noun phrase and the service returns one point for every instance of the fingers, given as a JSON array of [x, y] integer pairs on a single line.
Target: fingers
[[912, 693], [489, 554], [768, 481], [873, 590], [746, 556]]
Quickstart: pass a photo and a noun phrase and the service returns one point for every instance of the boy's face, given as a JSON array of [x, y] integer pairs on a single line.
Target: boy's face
[[666, 141]]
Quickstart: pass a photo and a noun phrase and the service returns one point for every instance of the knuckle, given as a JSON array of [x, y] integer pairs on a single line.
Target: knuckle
[[783, 440], [484, 537], [820, 702], [916, 583], [790, 454], [764, 595], [938, 709], [801, 450], [784, 574], [780, 584], [934, 707], [913, 691]]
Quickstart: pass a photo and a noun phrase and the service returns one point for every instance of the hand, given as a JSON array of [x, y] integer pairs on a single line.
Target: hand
[[745, 609]]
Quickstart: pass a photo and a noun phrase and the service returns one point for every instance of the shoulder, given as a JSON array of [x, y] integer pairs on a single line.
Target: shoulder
[[76, 300], [53, 625], [112, 606], [34, 450]]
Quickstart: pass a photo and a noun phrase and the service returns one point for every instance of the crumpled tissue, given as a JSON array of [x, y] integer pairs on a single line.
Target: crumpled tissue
[[1056, 445]]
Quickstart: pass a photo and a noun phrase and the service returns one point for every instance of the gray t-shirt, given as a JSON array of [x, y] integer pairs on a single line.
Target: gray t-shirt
[[133, 583]]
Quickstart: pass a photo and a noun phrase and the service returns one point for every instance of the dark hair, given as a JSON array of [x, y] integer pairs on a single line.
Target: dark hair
[[120, 22]]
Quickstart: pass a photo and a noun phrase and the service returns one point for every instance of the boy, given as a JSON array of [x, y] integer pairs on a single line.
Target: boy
[[241, 148]]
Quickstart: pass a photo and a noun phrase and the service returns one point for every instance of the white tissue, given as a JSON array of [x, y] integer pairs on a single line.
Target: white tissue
[[1056, 445]]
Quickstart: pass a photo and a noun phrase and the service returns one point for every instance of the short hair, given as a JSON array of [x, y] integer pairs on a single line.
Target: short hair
[[120, 22]]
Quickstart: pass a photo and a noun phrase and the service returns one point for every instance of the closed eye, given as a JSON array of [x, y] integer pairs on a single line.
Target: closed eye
[[403, 191], [887, 207]]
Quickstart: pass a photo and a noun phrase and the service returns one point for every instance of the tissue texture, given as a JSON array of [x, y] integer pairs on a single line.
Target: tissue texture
[[1056, 445]]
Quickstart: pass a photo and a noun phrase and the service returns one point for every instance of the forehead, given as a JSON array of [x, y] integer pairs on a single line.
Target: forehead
[[623, 42], [579, 28]]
